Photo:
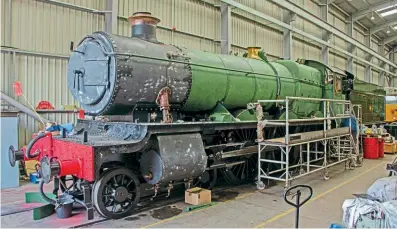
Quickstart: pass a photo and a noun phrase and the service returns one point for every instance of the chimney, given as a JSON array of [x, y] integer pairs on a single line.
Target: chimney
[[143, 26], [253, 52]]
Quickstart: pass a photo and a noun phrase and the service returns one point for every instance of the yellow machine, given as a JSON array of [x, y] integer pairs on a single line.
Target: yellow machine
[[391, 104]]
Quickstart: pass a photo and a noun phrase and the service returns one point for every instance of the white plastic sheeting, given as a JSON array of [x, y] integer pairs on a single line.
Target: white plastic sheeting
[[353, 209], [384, 210], [384, 189]]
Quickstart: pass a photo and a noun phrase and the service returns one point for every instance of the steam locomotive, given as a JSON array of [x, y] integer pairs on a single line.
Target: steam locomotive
[[163, 115]]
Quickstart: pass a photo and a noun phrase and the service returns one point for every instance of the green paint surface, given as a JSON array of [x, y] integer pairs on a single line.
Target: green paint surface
[[43, 211], [372, 100], [245, 115], [35, 197], [307, 84], [208, 85], [236, 81]]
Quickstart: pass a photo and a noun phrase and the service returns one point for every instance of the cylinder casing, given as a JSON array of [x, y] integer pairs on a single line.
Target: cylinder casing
[[178, 157]]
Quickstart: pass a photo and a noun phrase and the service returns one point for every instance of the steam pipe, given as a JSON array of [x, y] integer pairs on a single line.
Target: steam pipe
[[22, 107], [31, 143]]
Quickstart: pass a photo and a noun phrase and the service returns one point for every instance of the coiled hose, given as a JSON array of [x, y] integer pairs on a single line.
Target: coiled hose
[[45, 197], [31, 143], [55, 202]]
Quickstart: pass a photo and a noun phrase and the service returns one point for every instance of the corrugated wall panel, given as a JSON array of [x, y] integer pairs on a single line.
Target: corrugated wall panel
[[4, 20], [375, 78], [42, 78], [161, 9], [92, 4], [297, 49], [39, 28], [44, 27], [340, 62], [196, 23], [305, 25], [360, 72], [243, 32], [262, 6], [305, 50], [270, 40]]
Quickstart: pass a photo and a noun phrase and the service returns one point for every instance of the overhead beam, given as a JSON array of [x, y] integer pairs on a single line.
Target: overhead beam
[[318, 22], [325, 34], [389, 39], [350, 47], [226, 28], [378, 28], [111, 23], [360, 14], [316, 39], [368, 68], [288, 18], [392, 55], [382, 75]]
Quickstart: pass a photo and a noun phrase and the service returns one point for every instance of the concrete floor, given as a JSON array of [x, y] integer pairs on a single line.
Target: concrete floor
[[244, 206], [253, 208]]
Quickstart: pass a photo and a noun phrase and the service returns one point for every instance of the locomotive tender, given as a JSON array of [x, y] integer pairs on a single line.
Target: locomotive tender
[[165, 115]]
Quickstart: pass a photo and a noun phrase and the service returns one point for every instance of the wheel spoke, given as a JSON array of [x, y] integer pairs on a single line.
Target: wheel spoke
[[113, 198], [252, 135], [130, 195], [238, 171], [108, 187], [115, 181], [243, 170], [122, 179], [109, 202], [240, 138]]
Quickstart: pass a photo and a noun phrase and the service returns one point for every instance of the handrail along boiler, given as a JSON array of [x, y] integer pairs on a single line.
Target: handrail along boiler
[[165, 115]]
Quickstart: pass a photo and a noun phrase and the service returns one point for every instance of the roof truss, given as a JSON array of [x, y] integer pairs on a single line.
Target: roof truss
[[360, 14]]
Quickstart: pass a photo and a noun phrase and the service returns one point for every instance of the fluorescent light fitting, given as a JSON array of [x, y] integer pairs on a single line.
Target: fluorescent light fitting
[[395, 27], [388, 31], [387, 13], [372, 17], [387, 8]]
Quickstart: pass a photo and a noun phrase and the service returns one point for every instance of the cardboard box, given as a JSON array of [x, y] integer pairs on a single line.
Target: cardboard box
[[197, 196]]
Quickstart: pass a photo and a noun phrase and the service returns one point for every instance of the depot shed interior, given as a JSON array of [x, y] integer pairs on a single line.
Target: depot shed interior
[[359, 36]]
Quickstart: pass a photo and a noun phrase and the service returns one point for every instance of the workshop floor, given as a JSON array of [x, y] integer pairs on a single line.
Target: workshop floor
[[244, 206]]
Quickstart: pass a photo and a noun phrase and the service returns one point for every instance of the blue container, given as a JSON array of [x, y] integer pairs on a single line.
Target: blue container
[[34, 178], [335, 225]]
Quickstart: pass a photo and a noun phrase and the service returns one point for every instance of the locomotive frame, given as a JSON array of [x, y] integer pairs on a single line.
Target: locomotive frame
[[115, 160]]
